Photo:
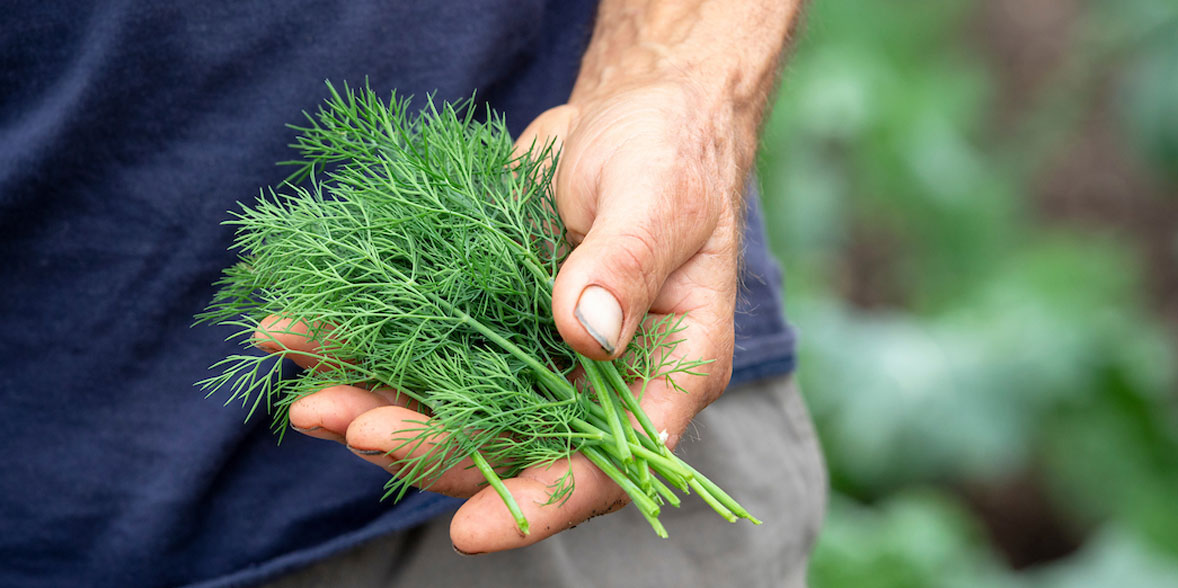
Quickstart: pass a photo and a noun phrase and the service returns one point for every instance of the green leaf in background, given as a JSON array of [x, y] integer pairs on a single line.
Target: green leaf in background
[[1114, 557], [1150, 103], [952, 333], [921, 538]]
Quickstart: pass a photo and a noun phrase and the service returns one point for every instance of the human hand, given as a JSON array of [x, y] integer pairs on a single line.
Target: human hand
[[653, 162], [655, 229]]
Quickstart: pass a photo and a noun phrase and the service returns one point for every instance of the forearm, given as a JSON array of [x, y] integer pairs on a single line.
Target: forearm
[[725, 53]]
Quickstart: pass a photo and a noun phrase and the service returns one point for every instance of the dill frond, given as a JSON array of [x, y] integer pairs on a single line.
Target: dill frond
[[427, 246]]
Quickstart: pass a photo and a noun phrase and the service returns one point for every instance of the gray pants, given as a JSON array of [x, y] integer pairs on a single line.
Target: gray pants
[[756, 442]]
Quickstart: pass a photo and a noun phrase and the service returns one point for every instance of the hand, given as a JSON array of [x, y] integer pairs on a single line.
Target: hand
[[657, 139], [652, 208]]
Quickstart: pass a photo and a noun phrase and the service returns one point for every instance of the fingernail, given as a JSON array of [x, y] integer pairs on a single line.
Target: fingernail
[[367, 451], [601, 315], [306, 429], [463, 553]]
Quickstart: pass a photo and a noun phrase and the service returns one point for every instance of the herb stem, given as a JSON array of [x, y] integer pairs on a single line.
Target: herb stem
[[641, 500], [606, 400], [493, 479], [627, 396]]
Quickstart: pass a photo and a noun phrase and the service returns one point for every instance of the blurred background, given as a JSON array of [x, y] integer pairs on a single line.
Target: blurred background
[[976, 204]]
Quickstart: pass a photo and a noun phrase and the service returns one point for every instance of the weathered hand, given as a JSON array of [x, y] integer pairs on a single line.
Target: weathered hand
[[653, 210], [651, 198], [656, 141]]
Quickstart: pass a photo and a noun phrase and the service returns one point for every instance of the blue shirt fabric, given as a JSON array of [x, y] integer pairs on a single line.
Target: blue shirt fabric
[[127, 130]]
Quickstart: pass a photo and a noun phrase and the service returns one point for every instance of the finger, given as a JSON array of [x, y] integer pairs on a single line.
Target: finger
[[639, 234], [671, 408], [704, 299], [327, 413], [550, 126], [389, 435], [483, 524], [308, 346]]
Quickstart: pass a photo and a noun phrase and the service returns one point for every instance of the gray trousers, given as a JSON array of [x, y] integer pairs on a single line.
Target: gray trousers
[[756, 442]]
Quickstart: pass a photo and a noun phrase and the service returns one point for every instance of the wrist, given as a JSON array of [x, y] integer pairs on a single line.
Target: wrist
[[711, 138], [715, 85], [717, 61]]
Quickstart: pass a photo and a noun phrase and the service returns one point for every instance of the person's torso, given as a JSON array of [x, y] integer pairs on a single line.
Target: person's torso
[[127, 130]]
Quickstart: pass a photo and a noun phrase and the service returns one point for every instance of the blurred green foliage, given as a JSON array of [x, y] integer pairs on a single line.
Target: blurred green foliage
[[988, 343], [1151, 91]]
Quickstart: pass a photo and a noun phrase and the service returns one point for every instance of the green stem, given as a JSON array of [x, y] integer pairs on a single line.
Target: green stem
[[644, 503], [607, 403], [627, 396], [717, 498], [665, 492], [493, 479], [722, 496], [672, 468], [643, 466], [554, 381], [711, 500]]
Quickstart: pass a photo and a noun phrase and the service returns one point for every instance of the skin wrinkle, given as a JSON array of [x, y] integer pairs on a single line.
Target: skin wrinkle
[[639, 247], [701, 207], [694, 297], [685, 283]]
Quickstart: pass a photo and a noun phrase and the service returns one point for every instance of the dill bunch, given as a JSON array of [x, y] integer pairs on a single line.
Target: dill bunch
[[421, 254]]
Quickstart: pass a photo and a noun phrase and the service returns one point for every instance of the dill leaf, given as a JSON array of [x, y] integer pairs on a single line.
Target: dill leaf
[[419, 248]]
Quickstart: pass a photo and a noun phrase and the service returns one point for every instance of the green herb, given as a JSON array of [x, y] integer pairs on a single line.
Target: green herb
[[422, 255]]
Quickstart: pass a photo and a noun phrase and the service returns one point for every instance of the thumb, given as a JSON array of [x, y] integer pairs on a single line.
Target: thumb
[[609, 281]]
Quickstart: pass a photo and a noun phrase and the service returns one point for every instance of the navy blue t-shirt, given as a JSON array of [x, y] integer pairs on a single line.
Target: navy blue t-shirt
[[127, 130]]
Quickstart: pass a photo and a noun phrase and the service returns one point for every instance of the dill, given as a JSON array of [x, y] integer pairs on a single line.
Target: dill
[[420, 249]]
